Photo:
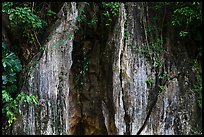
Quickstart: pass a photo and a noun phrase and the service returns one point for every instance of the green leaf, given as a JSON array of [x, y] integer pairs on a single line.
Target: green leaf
[[78, 19], [28, 99], [20, 95], [9, 114], [149, 81], [183, 33], [76, 27], [34, 99], [4, 78], [69, 36], [81, 9], [4, 64], [161, 88], [12, 77], [11, 119], [18, 66], [23, 98], [11, 17], [6, 96], [50, 13]]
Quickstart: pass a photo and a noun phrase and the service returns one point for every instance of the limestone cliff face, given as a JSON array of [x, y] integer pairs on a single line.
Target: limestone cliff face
[[139, 107], [98, 84], [48, 79]]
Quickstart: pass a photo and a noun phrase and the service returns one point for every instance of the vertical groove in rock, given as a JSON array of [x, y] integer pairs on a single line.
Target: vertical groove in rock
[[124, 98], [119, 95], [121, 73], [88, 55]]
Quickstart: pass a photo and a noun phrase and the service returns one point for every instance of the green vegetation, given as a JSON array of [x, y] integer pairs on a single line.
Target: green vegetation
[[150, 81], [193, 131], [22, 19], [50, 12], [186, 17], [22, 15], [164, 76], [185, 14], [82, 15], [111, 9], [90, 20], [84, 67], [198, 86], [11, 100], [153, 51]]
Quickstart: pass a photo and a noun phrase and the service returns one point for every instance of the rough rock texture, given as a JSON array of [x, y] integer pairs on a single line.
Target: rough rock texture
[[130, 72], [97, 85], [139, 108], [48, 78]]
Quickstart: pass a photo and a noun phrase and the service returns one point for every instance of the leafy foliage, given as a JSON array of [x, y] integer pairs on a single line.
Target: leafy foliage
[[153, 51], [11, 66], [185, 14], [111, 8], [50, 12], [25, 17], [22, 15], [183, 33], [198, 86], [185, 17], [149, 81], [161, 88], [164, 76]]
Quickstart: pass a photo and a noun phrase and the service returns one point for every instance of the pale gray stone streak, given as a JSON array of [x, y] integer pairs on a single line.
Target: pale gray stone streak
[[49, 81]]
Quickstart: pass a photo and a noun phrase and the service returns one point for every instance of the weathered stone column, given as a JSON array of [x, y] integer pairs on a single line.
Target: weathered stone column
[[48, 79]]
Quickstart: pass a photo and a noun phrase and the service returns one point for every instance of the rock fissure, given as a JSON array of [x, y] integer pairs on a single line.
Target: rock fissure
[[124, 98]]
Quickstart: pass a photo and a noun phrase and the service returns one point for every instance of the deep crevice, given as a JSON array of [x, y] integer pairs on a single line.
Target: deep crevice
[[126, 117]]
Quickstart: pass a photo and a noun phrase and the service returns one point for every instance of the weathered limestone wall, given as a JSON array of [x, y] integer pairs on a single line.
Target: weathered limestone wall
[[139, 108], [130, 71], [115, 98], [49, 80]]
